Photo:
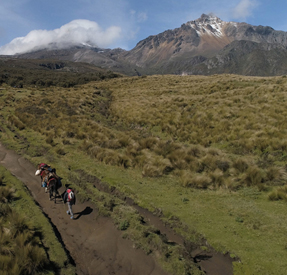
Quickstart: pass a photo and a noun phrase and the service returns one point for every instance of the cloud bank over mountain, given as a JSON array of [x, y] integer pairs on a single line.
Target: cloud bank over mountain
[[74, 33], [244, 9]]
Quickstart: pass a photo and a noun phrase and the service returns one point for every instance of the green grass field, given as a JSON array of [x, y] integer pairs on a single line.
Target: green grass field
[[208, 152]]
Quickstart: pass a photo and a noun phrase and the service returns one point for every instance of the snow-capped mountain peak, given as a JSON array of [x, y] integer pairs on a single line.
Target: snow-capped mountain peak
[[208, 24]]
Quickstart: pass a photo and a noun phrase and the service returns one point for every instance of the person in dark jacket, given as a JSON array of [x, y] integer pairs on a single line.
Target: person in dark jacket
[[69, 198]]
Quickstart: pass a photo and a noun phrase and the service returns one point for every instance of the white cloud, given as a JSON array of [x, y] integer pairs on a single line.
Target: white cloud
[[142, 17], [74, 33], [138, 17], [244, 9]]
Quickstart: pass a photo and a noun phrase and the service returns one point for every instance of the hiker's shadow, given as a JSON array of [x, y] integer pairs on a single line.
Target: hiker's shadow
[[87, 211]]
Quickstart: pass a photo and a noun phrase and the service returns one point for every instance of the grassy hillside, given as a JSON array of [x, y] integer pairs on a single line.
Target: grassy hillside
[[207, 153]]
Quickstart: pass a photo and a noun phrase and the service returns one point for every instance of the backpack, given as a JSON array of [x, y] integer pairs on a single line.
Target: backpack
[[71, 195], [43, 165]]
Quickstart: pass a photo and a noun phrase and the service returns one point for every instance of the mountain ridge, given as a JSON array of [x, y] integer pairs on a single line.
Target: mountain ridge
[[197, 47]]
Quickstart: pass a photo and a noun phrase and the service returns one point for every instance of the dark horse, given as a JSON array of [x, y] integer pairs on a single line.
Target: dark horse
[[51, 180]]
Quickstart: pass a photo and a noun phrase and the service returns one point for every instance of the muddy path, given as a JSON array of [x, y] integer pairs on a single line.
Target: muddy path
[[93, 242]]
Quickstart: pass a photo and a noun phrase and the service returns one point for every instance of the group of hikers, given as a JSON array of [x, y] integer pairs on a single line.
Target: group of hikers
[[50, 179]]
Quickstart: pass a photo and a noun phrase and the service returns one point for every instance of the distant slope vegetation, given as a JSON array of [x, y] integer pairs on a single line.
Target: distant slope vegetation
[[46, 73]]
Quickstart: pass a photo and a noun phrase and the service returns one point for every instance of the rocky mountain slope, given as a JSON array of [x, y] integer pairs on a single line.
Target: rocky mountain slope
[[206, 46]]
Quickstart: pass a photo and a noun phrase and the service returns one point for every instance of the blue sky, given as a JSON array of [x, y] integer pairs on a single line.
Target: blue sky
[[119, 23]]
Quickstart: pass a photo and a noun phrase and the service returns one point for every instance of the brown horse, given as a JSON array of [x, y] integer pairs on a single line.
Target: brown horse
[[50, 181]]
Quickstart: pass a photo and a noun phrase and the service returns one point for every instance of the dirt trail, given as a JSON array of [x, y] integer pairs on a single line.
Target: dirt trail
[[93, 242]]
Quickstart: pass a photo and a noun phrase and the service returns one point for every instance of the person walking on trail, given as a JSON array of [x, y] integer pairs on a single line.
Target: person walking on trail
[[69, 198]]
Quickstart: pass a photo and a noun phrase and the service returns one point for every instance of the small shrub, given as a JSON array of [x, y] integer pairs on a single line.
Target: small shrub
[[6, 194], [177, 159], [124, 161], [195, 180], [16, 122], [5, 209], [148, 143], [239, 219], [111, 144], [262, 187], [18, 224], [276, 174], [254, 176], [70, 134], [278, 194], [195, 150], [223, 165], [156, 166], [66, 142], [217, 178], [81, 135], [124, 141], [124, 225], [133, 149], [184, 200], [61, 151], [111, 157], [50, 140], [94, 151], [241, 165], [209, 163], [150, 170]]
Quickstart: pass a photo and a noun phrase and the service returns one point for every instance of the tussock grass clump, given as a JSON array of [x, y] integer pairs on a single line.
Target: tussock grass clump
[[50, 140], [201, 181], [20, 252], [6, 194], [241, 165], [278, 194], [277, 175], [217, 178], [254, 176], [152, 165], [16, 122], [148, 143], [60, 151], [179, 159]]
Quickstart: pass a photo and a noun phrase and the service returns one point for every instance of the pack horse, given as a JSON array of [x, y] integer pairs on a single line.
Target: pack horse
[[49, 180]]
